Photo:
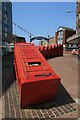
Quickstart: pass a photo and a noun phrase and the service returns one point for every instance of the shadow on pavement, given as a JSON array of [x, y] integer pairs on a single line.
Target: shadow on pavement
[[8, 78], [47, 58], [62, 98], [8, 73]]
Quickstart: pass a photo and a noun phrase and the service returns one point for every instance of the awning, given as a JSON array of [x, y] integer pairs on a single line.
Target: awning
[[75, 39]]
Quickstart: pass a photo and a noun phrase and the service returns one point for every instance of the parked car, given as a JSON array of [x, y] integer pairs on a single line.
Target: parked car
[[74, 51], [78, 53]]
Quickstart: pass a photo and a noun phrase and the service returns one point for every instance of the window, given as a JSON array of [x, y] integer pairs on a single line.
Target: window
[[78, 1], [79, 16], [60, 40], [0, 37], [76, 18], [5, 8], [0, 6], [60, 34], [0, 32], [74, 45], [5, 15], [5, 29], [5, 21], [5, 3], [0, 14], [0, 26], [69, 45], [60, 37], [79, 29], [5, 34]]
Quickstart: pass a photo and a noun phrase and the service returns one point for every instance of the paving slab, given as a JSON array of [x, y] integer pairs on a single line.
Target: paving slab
[[63, 106]]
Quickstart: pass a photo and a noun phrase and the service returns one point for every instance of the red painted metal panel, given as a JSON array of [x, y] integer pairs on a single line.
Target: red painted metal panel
[[56, 50], [53, 52], [37, 82], [60, 50], [44, 53], [48, 51]]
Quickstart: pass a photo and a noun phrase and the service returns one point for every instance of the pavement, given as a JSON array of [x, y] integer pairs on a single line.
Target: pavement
[[66, 102]]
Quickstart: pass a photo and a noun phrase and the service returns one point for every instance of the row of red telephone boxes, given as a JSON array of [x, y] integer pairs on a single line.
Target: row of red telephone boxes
[[53, 50], [37, 82]]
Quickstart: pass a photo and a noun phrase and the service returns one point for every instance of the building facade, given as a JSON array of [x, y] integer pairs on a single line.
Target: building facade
[[62, 34], [75, 39], [18, 39], [51, 40], [6, 20], [0, 23], [78, 17]]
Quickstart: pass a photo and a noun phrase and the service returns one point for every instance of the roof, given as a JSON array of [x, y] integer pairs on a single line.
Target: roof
[[39, 38], [51, 37], [74, 39], [18, 36], [66, 28]]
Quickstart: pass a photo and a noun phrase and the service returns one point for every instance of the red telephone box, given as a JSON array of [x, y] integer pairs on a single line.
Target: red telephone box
[[37, 81]]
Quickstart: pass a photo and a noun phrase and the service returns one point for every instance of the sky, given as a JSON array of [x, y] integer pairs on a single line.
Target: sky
[[42, 18]]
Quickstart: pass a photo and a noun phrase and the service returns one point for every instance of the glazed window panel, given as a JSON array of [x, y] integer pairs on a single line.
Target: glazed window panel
[[5, 21], [79, 29], [5, 8], [76, 18], [5, 34], [5, 3], [5, 16], [79, 16], [5, 29], [0, 26], [60, 40], [60, 34]]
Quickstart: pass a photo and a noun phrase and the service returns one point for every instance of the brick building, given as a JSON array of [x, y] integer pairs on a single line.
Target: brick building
[[51, 40], [78, 17], [62, 34], [75, 39], [6, 20], [18, 39]]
